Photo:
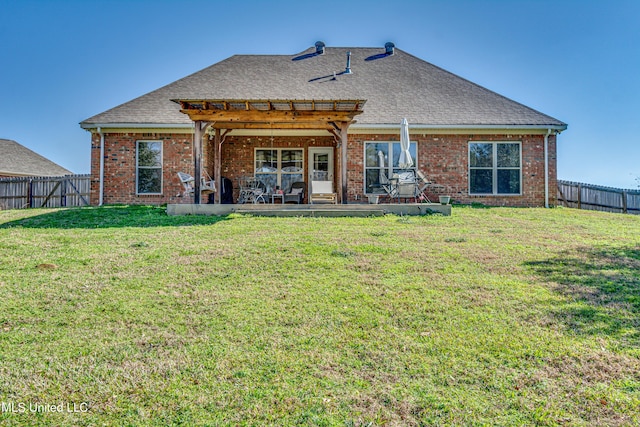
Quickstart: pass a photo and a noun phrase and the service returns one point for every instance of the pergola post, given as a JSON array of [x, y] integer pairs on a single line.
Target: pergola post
[[197, 161], [344, 126], [217, 165]]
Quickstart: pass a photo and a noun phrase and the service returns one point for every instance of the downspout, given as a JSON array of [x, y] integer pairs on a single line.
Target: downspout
[[546, 168], [101, 194]]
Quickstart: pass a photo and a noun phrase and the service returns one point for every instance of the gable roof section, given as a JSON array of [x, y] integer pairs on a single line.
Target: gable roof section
[[395, 86], [18, 160]]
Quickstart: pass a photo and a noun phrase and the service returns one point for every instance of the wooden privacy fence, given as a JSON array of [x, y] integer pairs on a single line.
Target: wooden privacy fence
[[595, 197], [45, 191]]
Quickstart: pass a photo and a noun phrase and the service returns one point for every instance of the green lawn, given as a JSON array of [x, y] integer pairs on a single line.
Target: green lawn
[[494, 316]]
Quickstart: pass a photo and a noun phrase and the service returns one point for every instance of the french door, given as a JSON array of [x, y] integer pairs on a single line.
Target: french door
[[320, 164]]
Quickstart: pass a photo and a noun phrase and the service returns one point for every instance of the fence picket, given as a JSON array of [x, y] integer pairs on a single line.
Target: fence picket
[[45, 191], [596, 197]]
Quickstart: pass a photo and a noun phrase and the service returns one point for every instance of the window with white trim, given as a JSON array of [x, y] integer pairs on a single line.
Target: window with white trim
[[149, 167], [279, 167], [495, 168], [381, 161]]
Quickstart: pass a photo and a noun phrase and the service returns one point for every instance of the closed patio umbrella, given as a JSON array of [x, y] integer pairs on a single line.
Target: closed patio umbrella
[[405, 161], [382, 176]]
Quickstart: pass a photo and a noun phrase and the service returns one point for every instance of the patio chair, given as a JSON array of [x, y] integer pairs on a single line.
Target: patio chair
[[251, 190], [322, 191], [206, 185], [405, 185], [259, 192], [390, 186], [296, 193], [421, 187], [406, 190]]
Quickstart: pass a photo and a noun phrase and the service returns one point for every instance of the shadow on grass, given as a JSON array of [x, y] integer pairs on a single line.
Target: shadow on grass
[[602, 287], [110, 217]]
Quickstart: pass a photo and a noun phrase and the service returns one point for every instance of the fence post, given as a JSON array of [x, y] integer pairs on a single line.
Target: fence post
[[579, 196], [30, 193], [624, 201], [63, 193]]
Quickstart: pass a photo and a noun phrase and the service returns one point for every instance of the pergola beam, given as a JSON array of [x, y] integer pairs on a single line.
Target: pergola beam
[[275, 125], [270, 116]]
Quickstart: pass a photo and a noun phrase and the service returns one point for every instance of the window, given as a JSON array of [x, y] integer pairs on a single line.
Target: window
[[279, 167], [381, 162], [149, 167], [494, 168]]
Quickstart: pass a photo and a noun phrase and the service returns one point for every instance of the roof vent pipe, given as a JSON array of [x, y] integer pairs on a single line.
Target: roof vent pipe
[[389, 48], [348, 69], [319, 48]]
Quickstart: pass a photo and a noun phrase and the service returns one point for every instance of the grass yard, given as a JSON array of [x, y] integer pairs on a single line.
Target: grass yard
[[511, 317]]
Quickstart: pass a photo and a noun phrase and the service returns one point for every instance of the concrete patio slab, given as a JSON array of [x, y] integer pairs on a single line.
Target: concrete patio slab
[[327, 210]]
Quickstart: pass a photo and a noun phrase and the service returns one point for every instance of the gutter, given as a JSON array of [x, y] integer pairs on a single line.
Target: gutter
[[557, 128], [101, 193], [90, 126], [546, 168]]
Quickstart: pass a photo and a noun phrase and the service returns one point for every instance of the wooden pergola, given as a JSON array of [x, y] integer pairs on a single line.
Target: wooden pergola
[[225, 115]]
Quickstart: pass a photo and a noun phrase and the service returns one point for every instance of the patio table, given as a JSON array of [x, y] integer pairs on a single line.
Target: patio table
[[275, 196]]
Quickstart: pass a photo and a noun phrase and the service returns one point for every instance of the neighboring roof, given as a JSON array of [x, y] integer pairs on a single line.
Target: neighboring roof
[[394, 86], [18, 160]]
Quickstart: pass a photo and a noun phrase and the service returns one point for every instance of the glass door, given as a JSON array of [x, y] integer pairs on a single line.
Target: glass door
[[320, 164]]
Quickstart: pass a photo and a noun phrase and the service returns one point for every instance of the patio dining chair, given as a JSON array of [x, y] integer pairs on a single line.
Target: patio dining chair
[[406, 190], [252, 190], [406, 185], [422, 184], [390, 186]]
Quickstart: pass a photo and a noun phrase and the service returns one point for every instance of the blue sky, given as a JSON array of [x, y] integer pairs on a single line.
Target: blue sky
[[578, 61]]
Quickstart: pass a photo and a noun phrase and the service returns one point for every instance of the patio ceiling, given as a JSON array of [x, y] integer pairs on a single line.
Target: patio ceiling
[[271, 114]]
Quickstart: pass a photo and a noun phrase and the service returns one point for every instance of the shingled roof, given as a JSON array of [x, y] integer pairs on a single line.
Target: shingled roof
[[394, 86], [18, 160]]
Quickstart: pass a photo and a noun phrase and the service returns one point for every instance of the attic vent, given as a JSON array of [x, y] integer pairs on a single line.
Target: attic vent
[[319, 48], [389, 48]]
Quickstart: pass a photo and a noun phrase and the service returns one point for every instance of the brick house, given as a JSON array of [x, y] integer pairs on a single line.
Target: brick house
[[329, 112]]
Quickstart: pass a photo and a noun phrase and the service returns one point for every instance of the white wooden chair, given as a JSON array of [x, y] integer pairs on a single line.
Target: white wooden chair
[[322, 191]]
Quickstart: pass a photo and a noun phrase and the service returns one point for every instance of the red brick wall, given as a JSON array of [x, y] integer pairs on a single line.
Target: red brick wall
[[443, 158], [238, 153], [120, 164]]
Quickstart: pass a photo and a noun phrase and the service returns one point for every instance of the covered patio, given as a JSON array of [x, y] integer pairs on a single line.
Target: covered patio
[[221, 117], [216, 119]]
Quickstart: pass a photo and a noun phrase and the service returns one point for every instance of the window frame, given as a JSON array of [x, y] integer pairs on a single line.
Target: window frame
[[278, 162], [495, 168], [138, 167], [388, 168]]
